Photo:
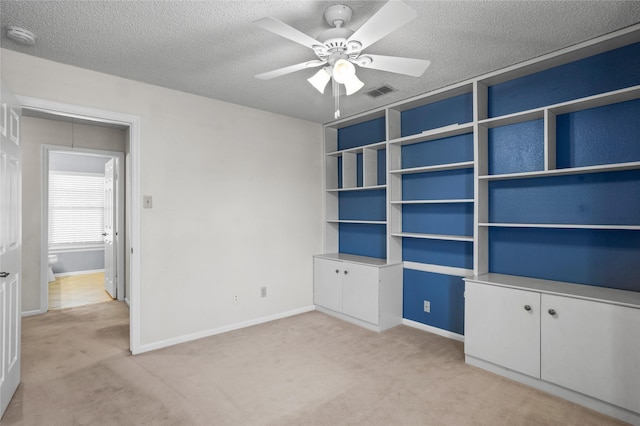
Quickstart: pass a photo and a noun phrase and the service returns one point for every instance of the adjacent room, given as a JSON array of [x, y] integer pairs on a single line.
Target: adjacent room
[[320, 212]]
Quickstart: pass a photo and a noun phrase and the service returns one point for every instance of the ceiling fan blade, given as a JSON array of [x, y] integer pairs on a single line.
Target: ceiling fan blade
[[389, 18], [407, 66], [291, 68], [286, 31]]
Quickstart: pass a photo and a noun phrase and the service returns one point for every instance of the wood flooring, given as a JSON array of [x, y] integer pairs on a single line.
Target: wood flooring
[[77, 290]]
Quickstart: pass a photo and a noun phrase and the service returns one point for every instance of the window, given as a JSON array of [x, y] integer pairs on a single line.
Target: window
[[76, 209]]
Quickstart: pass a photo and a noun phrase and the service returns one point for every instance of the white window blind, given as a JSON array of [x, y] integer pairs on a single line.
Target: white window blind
[[76, 209]]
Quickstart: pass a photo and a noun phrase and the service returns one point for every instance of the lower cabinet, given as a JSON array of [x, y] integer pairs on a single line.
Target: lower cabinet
[[565, 337], [366, 291]]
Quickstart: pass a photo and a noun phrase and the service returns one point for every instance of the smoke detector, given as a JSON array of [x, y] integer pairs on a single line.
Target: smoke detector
[[20, 35]]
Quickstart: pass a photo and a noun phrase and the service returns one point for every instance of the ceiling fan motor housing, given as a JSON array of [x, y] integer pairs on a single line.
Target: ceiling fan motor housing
[[338, 15]]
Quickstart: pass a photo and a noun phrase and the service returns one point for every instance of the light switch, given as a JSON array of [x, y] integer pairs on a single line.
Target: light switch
[[147, 201]]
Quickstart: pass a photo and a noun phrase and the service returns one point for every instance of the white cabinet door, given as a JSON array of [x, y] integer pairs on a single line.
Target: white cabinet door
[[327, 283], [360, 292], [593, 348], [502, 326]]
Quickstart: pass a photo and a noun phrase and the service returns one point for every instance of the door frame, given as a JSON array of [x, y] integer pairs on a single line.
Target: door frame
[[119, 213], [133, 184]]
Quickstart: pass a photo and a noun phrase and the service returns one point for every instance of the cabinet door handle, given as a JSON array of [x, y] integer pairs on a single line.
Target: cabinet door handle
[[527, 307], [337, 271], [346, 272], [552, 311]]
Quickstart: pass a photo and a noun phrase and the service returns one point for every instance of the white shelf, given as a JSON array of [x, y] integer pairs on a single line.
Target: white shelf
[[358, 188], [436, 168], [364, 260], [561, 226], [515, 118], [370, 222], [569, 171], [357, 150], [439, 269], [452, 201], [433, 134], [433, 236]]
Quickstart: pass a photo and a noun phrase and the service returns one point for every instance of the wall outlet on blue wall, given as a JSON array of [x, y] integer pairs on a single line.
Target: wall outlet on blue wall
[[427, 306]]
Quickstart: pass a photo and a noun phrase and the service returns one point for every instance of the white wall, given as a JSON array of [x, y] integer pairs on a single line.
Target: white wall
[[237, 198]]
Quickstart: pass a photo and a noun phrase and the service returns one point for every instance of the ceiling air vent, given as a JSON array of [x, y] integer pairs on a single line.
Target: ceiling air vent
[[382, 90]]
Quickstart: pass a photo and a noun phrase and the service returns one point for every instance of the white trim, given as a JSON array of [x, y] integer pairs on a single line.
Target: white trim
[[32, 313], [430, 329], [73, 273], [219, 330], [134, 124]]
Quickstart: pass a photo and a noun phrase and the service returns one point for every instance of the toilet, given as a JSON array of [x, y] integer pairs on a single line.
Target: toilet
[[53, 259]]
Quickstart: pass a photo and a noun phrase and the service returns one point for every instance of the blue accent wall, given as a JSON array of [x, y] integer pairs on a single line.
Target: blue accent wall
[[382, 167], [362, 205], [362, 134], [450, 219], [605, 258], [363, 239], [438, 252], [444, 292], [444, 185], [611, 198], [604, 135], [612, 70], [454, 149], [458, 109], [516, 148]]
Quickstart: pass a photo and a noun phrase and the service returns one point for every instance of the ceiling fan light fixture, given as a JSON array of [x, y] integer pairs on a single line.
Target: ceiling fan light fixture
[[320, 79], [353, 84], [343, 71]]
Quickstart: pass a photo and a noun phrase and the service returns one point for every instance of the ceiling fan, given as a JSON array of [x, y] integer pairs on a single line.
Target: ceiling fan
[[338, 48]]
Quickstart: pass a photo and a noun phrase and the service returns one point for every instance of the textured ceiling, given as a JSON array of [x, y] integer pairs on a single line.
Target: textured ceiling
[[211, 48]]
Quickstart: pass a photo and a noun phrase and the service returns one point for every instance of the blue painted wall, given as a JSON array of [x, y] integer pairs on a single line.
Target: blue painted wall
[[458, 109], [363, 239], [444, 292], [601, 73]]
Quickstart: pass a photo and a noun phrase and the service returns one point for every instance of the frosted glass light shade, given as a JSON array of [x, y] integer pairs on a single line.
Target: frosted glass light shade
[[353, 85], [343, 70], [319, 80]]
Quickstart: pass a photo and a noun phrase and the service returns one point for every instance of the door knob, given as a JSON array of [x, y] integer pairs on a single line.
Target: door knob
[[104, 234], [552, 311], [527, 307], [4, 274]]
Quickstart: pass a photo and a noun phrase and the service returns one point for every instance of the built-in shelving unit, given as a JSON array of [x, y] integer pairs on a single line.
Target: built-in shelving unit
[[531, 172], [537, 161]]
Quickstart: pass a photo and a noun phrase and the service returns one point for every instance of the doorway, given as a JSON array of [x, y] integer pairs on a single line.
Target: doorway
[[131, 123], [85, 220]]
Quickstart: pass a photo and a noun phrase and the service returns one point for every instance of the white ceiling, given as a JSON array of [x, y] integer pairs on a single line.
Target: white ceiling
[[211, 48]]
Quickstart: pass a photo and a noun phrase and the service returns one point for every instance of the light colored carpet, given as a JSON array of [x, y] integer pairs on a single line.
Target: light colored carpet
[[310, 369]]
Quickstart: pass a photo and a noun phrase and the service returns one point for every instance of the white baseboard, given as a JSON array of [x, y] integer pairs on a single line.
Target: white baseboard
[[33, 312], [126, 301], [434, 330], [69, 274], [206, 333]]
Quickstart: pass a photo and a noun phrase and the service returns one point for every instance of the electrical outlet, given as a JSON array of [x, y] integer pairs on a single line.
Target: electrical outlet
[[263, 291], [427, 306], [236, 300]]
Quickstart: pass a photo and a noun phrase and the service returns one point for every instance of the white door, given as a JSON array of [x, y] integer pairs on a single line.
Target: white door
[[10, 246], [327, 283], [360, 297], [110, 258], [593, 348], [502, 326]]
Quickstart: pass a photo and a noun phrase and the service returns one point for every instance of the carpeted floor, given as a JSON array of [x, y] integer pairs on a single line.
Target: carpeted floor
[[310, 369]]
